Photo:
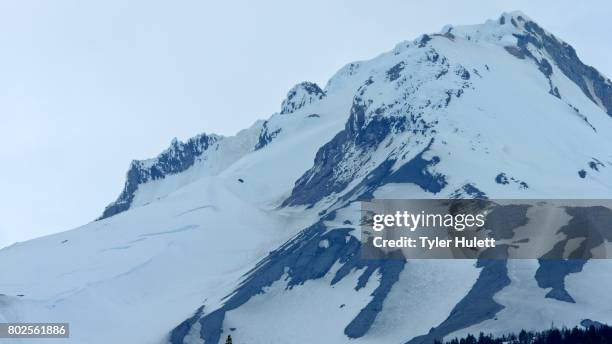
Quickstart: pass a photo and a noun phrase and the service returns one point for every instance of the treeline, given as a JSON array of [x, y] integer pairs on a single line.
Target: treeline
[[600, 334]]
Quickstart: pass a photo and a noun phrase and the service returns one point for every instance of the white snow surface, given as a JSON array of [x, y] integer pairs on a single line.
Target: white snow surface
[[189, 238]]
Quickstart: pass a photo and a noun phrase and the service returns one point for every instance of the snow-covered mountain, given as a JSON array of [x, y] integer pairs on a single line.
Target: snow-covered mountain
[[257, 236]]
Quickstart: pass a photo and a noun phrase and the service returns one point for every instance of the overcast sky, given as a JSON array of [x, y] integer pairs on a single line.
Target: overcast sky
[[85, 87]]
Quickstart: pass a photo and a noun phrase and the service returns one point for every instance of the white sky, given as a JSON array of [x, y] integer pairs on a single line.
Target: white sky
[[85, 87]]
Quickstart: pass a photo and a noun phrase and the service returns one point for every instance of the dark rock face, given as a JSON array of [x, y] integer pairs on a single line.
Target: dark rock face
[[463, 73], [300, 95], [514, 51], [423, 41], [182, 330], [301, 259], [179, 157], [394, 73], [506, 219], [320, 180], [266, 136], [389, 270], [341, 160], [503, 179], [469, 191], [551, 274], [592, 83], [596, 164], [416, 171], [588, 223], [478, 305], [326, 176]]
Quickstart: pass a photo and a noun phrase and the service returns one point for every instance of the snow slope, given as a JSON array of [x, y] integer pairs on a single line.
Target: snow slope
[[255, 234]]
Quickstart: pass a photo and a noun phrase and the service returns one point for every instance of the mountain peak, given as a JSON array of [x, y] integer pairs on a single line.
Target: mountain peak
[[520, 15], [513, 33], [300, 95], [524, 38], [252, 227]]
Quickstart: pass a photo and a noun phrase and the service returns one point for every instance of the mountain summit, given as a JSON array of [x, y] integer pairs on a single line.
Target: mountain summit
[[257, 235]]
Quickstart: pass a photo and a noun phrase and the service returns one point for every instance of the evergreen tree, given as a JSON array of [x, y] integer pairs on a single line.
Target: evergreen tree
[[523, 337], [228, 340], [594, 334], [554, 337]]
